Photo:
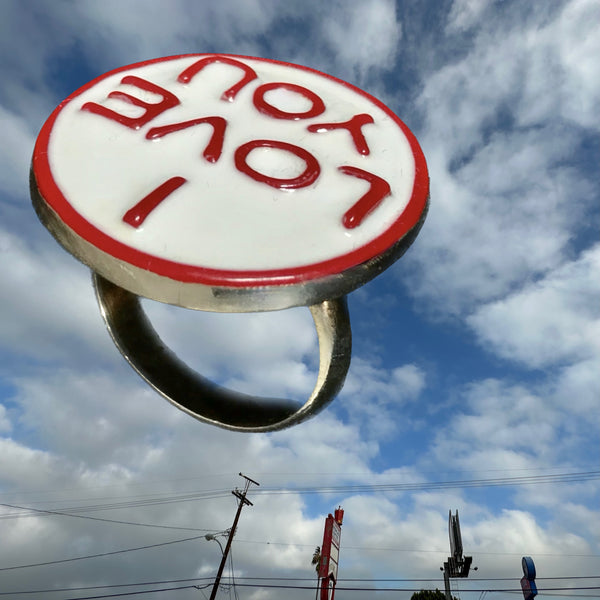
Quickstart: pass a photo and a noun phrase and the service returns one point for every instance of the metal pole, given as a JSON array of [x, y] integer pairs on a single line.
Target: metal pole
[[243, 500], [447, 582], [324, 588]]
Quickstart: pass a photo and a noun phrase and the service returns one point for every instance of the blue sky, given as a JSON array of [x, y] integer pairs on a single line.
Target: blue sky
[[475, 357]]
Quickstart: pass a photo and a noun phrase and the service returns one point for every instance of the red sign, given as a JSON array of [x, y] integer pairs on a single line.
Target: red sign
[[330, 550], [529, 588]]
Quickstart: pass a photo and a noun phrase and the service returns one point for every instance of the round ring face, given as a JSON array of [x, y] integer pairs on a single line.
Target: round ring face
[[228, 172]]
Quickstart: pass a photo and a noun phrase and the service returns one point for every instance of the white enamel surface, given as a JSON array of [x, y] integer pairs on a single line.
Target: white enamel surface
[[221, 218]]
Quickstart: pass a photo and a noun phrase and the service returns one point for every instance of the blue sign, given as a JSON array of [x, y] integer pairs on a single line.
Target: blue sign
[[528, 567], [528, 581]]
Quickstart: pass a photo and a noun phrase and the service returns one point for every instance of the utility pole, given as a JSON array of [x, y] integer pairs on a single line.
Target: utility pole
[[243, 500]]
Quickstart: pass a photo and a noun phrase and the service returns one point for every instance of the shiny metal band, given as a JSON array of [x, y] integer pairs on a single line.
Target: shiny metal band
[[139, 343]]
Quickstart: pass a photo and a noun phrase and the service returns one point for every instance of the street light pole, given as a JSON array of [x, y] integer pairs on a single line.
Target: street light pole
[[213, 537], [242, 498]]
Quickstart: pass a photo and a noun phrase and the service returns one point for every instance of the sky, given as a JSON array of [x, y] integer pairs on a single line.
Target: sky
[[475, 375]]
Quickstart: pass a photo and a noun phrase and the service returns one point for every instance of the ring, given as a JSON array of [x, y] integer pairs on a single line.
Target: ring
[[229, 184], [139, 343]]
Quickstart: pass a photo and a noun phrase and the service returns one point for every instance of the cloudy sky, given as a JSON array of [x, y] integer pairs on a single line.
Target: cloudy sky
[[475, 373]]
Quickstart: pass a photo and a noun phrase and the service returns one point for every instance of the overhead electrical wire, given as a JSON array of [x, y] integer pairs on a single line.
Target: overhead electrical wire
[[341, 489], [159, 544], [277, 585], [426, 486], [62, 513], [275, 543], [309, 579], [101, 554], [338, 588], [76, 511], [414, 550], [149, 501], [296, 544], [312, 474], [209, 581], [124, 594]]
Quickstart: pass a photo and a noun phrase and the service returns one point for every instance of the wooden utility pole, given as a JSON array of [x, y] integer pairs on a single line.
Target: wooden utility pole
[[243, 500]]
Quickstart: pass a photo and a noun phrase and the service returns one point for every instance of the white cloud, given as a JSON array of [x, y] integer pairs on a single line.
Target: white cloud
[[500, 417], [108, 440], [575, 517], [466, 13], [5, 423], [372, 396], [257, 353], [580, 381], [15, 152], [364, 35], [506, 199], [481, 240], [553, 321], [518, 531], [145, 30], [26, 468], [86, 418], [328, 445], [45, 298], [562, 77], [516, 428]]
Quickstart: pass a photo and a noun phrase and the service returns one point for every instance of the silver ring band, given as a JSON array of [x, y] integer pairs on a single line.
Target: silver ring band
[[139, 343]]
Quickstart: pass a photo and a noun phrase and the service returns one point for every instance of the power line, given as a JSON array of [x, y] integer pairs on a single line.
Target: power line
[[347, 589], [111, 586], [296, 474], [415, 550], [123, 594], [66, 560], [362, 548], [358, 548], [389, 487], [548, 591], [417, 589], [152, 501], [421, 486], [74, 511], [60, 513], [240, 581], [569, 595]]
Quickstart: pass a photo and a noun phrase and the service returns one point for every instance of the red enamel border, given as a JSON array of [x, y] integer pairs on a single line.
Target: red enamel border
[[186, 273]]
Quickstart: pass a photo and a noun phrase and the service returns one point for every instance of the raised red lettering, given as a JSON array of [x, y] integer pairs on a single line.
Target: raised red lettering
[[308, 176], [213, 149], [137, 215], [151, 110], [229, 95], [317, 108], [354, 126], [379, 189]]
